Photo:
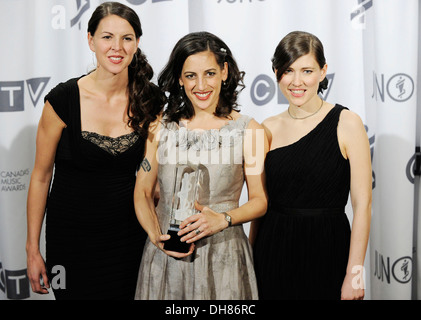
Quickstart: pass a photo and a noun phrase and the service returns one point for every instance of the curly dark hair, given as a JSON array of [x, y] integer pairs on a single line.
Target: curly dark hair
[[295, 45], [179, 106], [146, 100]]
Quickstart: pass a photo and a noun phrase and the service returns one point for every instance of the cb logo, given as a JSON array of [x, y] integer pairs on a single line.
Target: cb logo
[[264, 88]]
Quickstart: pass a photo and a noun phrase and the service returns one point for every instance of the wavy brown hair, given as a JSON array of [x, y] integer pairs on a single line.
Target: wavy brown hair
[[146, 100], [179, 106]]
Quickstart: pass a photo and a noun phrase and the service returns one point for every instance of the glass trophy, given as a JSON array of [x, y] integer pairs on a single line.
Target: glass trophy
[[185, 193]]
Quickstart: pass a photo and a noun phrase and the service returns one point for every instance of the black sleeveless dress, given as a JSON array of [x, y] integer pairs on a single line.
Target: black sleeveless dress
[[92, 232], [301, 249]]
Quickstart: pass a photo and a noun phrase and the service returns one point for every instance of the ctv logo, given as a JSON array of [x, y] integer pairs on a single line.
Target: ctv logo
[[12, 93], [15, 283]]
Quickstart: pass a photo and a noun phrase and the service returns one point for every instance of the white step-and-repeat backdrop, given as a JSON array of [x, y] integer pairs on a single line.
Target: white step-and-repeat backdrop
[[372, 49]]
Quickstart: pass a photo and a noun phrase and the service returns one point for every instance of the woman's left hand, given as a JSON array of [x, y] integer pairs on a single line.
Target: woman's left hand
[[352, 290], [205, 223]]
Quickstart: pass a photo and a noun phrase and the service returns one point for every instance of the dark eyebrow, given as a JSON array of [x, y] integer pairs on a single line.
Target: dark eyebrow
[[129, 34], [207, 70], [303, 68]]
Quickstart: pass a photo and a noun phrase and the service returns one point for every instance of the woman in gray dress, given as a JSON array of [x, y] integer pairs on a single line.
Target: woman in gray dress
[[203, 128]]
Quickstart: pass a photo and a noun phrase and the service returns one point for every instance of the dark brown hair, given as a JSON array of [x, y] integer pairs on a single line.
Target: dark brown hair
[[146, 100], [295, 45], [179, 106]]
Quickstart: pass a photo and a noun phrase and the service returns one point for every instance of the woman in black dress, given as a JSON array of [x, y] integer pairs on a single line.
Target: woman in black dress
[[92, 134], [319, 152]]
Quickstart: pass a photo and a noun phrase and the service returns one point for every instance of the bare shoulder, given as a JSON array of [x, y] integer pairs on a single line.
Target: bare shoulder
[[235, 115], [50, 118], [351, 132], [271, 121], [86, 86], [156, 124], [272, 125], [154, 129], [350, 121], [253, 124]]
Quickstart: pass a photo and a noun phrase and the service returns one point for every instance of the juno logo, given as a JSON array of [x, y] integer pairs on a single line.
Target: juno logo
[[399, 87]]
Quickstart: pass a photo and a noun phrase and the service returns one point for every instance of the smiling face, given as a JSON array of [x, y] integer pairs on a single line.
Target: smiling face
[[300, 81], [202, 78], [114, 44]]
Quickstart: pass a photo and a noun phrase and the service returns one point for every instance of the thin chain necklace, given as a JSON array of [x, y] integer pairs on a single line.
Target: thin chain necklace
[[296, 118]]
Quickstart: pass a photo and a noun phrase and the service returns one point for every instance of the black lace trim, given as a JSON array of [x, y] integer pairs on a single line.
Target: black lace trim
[[115, 146]]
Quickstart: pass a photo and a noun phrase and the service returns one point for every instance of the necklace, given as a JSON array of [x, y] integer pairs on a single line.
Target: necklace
[[293, 117]]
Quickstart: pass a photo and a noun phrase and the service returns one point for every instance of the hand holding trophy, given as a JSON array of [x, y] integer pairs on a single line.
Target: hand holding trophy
[[186, 186]]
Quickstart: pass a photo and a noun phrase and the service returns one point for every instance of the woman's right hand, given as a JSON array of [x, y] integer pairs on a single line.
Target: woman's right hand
[[36, 270], [160, 241]]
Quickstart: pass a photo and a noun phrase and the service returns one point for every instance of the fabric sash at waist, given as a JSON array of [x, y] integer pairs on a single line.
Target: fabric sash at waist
[[217, 207], [309, 212]]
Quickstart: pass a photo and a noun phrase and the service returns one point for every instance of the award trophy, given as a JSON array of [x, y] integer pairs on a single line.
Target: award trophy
[[185, 193]]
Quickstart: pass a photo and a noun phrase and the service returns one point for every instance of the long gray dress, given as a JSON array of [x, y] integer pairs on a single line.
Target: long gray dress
[[222, 265]]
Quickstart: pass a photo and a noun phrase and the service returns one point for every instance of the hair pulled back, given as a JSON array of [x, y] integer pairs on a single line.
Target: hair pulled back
[[145, 100]]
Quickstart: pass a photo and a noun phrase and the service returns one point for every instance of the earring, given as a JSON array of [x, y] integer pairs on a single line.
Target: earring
[[181, 92]]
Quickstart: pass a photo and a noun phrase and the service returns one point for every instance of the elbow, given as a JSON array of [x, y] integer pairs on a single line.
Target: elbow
[[141, 195], [363, 209], [263, 207]]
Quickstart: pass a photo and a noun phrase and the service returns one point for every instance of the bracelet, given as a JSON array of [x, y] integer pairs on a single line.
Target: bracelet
[[227, 218]]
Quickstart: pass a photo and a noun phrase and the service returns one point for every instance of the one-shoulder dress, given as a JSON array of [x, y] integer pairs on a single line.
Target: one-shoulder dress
[[221, 266], [302, 246], [92, 233]]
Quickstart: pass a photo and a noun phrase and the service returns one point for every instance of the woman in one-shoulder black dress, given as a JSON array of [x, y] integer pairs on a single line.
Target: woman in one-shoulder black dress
[[318, 153], [92, 133]]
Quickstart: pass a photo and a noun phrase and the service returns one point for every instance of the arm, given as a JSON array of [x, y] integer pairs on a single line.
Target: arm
[[254, 225], [355, 146], [144, 193], [49, 132], [210, 222]]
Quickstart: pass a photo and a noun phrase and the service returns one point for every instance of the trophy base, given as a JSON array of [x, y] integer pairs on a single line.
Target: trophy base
[[174, 243]]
